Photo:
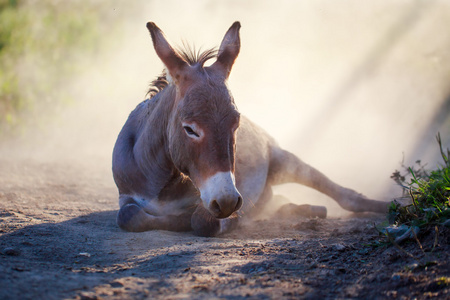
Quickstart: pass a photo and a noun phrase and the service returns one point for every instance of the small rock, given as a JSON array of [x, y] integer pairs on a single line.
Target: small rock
[[88, 296], [396, 231], [11, 251], [116, 284], [408, 234], [260, 269], [401, 233], [396, 277], [413, 266], [339, 247]]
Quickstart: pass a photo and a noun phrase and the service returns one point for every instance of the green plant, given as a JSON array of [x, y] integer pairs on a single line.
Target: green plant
[[44, 47], [40, 47], [429, 192]]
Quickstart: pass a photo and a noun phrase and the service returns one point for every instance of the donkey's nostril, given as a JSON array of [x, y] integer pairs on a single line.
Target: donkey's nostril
[[215, 207], [238, 204], [223, 208]]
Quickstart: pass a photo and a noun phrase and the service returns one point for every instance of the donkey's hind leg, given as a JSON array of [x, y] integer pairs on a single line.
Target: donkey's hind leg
[[132, 217], [285, 167]]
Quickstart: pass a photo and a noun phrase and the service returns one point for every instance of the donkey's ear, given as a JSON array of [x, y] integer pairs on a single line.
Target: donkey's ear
[[229, 50], [171, 59]]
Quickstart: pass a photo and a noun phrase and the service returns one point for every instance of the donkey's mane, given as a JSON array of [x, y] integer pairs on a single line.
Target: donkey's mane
[[191, 56]]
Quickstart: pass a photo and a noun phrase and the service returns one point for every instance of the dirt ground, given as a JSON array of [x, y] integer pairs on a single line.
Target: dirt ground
[[58, 239]]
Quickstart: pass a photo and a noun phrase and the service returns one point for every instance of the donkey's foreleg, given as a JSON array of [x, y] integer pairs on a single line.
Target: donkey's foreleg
[[205, 224], [285, 167], [132, 217]]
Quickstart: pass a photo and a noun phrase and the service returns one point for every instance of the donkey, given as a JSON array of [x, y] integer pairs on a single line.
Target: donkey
[[187, 160]]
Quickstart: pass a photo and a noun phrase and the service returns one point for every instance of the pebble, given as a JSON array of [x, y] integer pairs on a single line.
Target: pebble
[[413, 266], [11, 251], [395, 277], [339, 247]]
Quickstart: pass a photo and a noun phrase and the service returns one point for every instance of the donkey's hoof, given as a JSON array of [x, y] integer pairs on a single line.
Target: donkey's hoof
[[203, 223], [318, 211], [129, 218]]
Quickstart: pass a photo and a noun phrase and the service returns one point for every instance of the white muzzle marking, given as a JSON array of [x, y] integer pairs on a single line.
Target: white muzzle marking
[[220, 187]]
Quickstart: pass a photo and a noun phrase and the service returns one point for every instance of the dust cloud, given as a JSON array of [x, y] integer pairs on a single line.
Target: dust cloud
[[348, 86]]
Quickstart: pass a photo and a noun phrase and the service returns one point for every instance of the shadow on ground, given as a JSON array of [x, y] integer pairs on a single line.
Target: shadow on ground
[[88, 257]]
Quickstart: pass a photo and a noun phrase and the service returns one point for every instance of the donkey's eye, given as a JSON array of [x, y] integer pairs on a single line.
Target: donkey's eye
[[190, 131]]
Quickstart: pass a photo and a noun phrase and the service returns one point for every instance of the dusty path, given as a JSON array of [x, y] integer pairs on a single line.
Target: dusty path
[[58, 239]]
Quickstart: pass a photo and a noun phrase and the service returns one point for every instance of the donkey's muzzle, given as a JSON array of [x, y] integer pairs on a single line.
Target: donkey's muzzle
[[223, 208], [220, 196]]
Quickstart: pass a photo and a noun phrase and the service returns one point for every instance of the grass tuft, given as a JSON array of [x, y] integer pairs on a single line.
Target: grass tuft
[[429, 192]]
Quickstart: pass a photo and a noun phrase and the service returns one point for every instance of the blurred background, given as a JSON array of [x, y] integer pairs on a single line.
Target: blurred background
[[352, 87]]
